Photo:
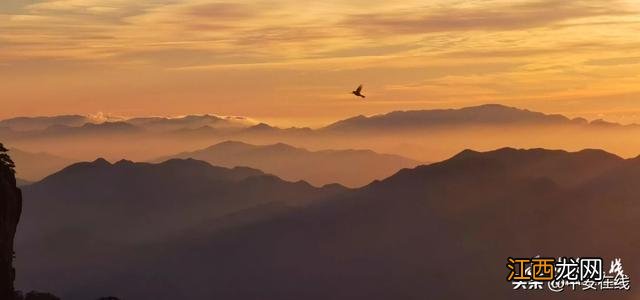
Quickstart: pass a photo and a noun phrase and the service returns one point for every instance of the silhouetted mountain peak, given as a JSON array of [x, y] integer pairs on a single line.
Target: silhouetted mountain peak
[[241, 146], [563, 167], [598, 154], [124, 162], [505, 152], [603, 123], [580, 120], [492, 106], [261, 126], [487, 114], [282, 145], [466, 153], [283, 148], [99, 162], [229, 145], [336, 187], [173, 171]]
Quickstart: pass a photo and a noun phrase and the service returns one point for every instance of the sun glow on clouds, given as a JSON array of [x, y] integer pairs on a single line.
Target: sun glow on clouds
[[298, 59]]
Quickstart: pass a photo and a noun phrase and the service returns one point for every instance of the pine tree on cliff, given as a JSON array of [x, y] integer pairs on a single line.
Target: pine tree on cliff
[[5, 160]]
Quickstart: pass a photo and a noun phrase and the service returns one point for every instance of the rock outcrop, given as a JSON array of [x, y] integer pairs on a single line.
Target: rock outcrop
[[10, 209]]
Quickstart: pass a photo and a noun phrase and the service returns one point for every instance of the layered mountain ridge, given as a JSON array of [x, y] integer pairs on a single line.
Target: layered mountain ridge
[[422, 135], [350, 167], [406, 236]]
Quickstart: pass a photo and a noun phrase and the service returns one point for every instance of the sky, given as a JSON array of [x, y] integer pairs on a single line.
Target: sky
[[295, 62]]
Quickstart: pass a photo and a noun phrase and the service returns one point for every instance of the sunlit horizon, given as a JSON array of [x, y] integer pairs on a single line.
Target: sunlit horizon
[[294, 64]]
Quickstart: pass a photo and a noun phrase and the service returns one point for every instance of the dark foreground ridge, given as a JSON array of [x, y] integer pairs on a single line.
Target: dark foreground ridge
[[440, 231]]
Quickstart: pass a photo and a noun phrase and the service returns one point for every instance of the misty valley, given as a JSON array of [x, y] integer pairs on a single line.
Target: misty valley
[[241, 220]]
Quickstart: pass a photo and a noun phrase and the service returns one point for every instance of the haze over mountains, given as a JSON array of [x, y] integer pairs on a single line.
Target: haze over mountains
[[349, 167], [476, 115], [425, 135], [211, 222], [40, 123], [35, 166], [23, 124], [184, 229]]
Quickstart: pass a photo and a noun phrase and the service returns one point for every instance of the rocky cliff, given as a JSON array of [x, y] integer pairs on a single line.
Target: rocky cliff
[[10, 208]]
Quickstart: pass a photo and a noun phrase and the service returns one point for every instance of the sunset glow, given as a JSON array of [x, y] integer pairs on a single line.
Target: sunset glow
[[295, 62]]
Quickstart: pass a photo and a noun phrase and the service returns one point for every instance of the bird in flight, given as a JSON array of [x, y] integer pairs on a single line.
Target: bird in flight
[[357, 91]]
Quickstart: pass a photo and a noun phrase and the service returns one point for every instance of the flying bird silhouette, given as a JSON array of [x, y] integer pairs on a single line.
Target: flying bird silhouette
[[357, 91]]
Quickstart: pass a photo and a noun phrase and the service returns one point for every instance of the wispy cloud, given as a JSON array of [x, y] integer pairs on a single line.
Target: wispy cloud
[[507, 16], [615, 61]]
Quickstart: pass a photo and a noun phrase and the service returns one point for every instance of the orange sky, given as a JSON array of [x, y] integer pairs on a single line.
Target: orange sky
[[294, 62]]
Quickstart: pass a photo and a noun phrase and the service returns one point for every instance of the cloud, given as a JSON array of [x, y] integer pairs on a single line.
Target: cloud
[[226, 11], [214, 32], [101, 117], [91, 7], [615, 61], [486, 17]]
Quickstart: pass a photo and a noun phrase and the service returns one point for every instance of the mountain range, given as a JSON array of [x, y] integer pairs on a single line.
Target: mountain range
[[348, 167], [67, 122], [125, 205], [487, 114], [422, 135], [190, 122], [43, 122], [483, 115], [183, 229]]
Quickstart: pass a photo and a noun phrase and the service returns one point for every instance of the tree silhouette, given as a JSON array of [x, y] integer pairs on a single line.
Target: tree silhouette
[[5, 160]]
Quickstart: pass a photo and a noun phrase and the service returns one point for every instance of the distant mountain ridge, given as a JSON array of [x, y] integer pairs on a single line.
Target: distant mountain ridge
[[488, 114], [291, 163], [39, 123], [482, 114], [424, 135], [190, 122], [35, 166], [55, 123]]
